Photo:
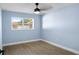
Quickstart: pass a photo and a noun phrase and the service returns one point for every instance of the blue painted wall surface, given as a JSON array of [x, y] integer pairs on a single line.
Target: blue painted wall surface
[[62, 27], [10, 36]]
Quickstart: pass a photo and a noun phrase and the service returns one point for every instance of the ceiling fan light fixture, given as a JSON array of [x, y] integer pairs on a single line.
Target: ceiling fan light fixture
[[36, 10]]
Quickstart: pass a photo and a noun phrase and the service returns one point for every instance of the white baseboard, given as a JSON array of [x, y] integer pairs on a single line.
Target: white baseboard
[[52, 43], [63, 47], [14, 43]]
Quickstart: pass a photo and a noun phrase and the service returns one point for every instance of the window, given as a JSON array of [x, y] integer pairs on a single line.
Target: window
[[18, 23]]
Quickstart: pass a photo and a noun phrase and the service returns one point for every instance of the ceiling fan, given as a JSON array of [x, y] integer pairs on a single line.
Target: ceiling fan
[[38, 10]]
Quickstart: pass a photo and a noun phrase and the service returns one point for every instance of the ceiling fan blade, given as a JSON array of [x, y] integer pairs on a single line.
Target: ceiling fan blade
[[43, 9]]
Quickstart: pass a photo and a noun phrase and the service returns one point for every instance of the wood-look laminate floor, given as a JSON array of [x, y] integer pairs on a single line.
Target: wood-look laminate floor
[[35, 48]]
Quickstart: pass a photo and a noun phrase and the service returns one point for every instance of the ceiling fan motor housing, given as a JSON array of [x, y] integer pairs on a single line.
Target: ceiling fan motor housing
[[36, 9]]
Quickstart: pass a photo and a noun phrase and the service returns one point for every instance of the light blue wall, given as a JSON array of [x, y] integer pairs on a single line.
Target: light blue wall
[[41, 26], [62, 26], [10, 36], [0, 29]]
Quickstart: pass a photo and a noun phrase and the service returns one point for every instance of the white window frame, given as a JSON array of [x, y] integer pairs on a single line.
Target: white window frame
[[23, 23]]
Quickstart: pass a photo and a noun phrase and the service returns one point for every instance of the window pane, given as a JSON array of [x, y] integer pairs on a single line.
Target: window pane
[[28, 23], [16, 23]]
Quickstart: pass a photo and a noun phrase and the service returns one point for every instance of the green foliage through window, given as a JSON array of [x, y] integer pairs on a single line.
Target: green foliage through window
[[29, 20]]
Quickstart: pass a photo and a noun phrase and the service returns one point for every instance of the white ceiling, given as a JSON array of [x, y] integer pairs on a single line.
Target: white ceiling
[[29, 7]]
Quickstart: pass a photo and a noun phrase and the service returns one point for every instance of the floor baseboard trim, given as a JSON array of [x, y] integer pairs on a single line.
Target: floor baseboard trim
[[60, 46], [52, 43], [14, 43]]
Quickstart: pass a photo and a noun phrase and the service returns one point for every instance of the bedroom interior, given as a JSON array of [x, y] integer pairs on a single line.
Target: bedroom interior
[[39, 28]]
